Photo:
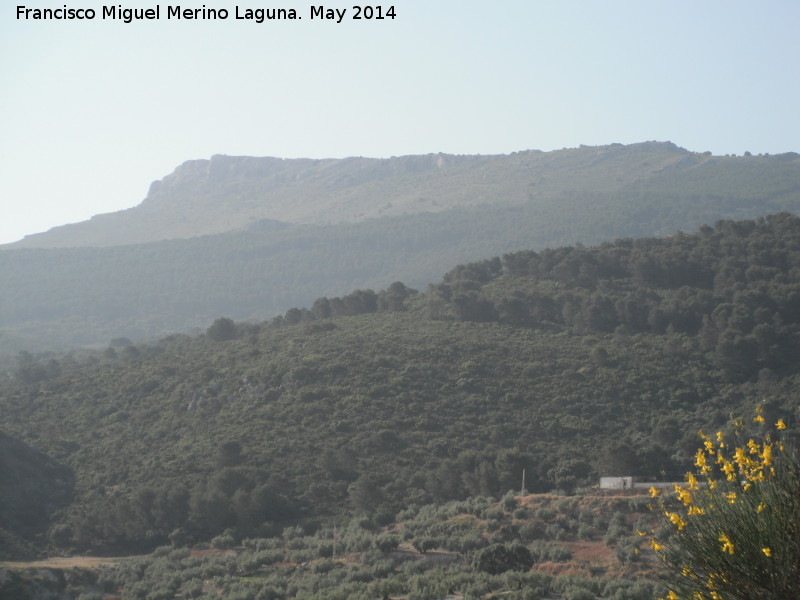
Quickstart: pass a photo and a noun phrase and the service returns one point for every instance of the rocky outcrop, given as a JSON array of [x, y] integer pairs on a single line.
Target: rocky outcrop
[[228, 193]]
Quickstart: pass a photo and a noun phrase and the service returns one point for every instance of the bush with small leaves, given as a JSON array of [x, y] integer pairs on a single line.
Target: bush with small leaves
[[193, 588], [499, 558], [627, 550], [532, 531], [509, 501], [465, 543], [545, 513], [554, 531], [493, 524], [737, 536], [386, 542], [587, 532], [222, 542], [423, 544], [577, 593]]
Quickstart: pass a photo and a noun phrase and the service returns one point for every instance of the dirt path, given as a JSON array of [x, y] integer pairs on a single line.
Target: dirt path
[[69, 562]]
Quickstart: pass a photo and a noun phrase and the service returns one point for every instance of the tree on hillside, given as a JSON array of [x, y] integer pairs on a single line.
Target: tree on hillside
[[222, 329], [499, 558]]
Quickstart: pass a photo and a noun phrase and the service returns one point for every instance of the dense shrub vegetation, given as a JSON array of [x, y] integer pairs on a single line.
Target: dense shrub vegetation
[[471, 548], [395, 416], [734, 288]]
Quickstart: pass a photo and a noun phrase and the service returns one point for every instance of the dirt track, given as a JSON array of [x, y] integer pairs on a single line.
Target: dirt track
[[83, 562]]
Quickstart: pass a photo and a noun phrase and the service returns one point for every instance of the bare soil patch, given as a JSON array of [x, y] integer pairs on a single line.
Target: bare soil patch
[[65, 562]]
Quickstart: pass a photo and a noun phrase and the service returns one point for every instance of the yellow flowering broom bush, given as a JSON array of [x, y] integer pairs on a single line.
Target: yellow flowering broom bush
[[734, 524]]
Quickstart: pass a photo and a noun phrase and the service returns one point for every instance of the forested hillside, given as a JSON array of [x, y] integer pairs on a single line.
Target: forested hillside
[[474, 207], [568, 364]]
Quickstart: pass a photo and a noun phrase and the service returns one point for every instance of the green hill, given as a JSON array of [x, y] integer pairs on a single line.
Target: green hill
[[569, 364]]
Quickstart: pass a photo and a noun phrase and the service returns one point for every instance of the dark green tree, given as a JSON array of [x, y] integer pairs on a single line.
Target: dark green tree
[[499, 558], [222, 329]]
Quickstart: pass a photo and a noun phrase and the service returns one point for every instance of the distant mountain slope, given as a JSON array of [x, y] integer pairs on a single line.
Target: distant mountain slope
[[53, 297], [227, 193]]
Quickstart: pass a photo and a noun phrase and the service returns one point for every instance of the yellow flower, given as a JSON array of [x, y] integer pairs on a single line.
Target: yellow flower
[[780, 425], [696, 510], [766, 455], [653, 492], [761, 506], [691, 480], [683, 495], [727, 545], [731, 497], [700, 458], [656, 546], [676, 520], [758, 419], [767, 551], [672, 595], [719, 436]]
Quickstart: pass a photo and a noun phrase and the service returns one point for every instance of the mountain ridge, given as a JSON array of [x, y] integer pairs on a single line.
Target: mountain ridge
[[468, 208], [229, 193]]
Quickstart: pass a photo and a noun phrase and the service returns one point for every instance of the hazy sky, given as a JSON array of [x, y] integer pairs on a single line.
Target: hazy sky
[[92, 111]]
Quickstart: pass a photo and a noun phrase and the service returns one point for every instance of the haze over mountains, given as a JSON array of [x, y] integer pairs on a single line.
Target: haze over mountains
[[226, 193], [252, 237]]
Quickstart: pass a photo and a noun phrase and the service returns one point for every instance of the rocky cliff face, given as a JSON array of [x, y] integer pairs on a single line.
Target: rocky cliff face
[[227, 193]]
